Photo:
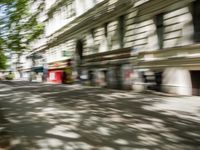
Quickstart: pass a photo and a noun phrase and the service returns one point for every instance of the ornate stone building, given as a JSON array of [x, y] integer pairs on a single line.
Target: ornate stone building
[[125, 44]]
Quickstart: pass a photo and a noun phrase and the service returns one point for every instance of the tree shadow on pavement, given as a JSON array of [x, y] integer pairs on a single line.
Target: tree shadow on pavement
[[54, 117]]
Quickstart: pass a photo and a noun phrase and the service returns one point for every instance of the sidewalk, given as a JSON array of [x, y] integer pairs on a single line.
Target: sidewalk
[[56, 117]]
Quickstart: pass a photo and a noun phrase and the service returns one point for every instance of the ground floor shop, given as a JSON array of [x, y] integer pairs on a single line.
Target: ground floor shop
[[60, 72], [34, 74], [55, 76], [37, 74], [112, 69], [115, 76], [174, 80], [172, 70]]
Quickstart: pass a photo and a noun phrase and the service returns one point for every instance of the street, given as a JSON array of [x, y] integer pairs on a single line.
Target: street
[[35, 116]]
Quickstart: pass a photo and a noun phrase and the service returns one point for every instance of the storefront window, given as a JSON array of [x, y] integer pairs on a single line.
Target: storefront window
[[52, 76]]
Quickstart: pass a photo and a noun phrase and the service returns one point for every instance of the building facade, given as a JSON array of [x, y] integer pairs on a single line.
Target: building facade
[[132, 44]]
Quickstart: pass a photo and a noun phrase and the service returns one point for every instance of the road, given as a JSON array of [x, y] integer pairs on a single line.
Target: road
[[36, 116]]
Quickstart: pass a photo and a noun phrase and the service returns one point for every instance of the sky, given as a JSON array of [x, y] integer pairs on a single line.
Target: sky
[[2, 14]]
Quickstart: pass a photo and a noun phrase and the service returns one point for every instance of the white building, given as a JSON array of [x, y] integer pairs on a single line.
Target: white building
[[142, 44]]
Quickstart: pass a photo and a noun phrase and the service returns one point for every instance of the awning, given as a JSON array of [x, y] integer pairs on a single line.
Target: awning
[[38, 69]]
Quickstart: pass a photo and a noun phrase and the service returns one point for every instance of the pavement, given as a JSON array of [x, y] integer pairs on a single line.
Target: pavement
[[35, 116]]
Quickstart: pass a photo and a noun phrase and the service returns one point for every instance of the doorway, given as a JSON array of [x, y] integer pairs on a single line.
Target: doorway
[[79, 57], [195, 77]]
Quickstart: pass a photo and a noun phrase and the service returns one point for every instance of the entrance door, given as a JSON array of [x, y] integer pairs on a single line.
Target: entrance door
[[78, 56], [195, 76], [158, 78], [91, 77], [105, 78], [118, 74]]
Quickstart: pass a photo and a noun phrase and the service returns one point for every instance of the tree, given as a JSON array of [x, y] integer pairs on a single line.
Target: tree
[[2, 56], [2, 60], [18, 25]]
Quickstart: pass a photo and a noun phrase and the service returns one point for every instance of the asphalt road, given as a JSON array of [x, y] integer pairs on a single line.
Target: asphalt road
[[37, 116]]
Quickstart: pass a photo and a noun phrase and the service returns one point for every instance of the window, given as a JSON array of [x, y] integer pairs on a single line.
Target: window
[[70, 9], [52, 76], [64, 53], [92, 33], [160, 29], [92, 40], [121, 30], [63, 10], [106, 29], [196, 20]]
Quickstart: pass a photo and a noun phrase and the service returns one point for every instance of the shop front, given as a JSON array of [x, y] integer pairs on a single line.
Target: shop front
[[60, 72], [37, 74], [55, 76]]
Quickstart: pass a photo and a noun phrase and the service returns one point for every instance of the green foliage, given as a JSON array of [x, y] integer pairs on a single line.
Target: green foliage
[[20, 25], [2, 60]]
